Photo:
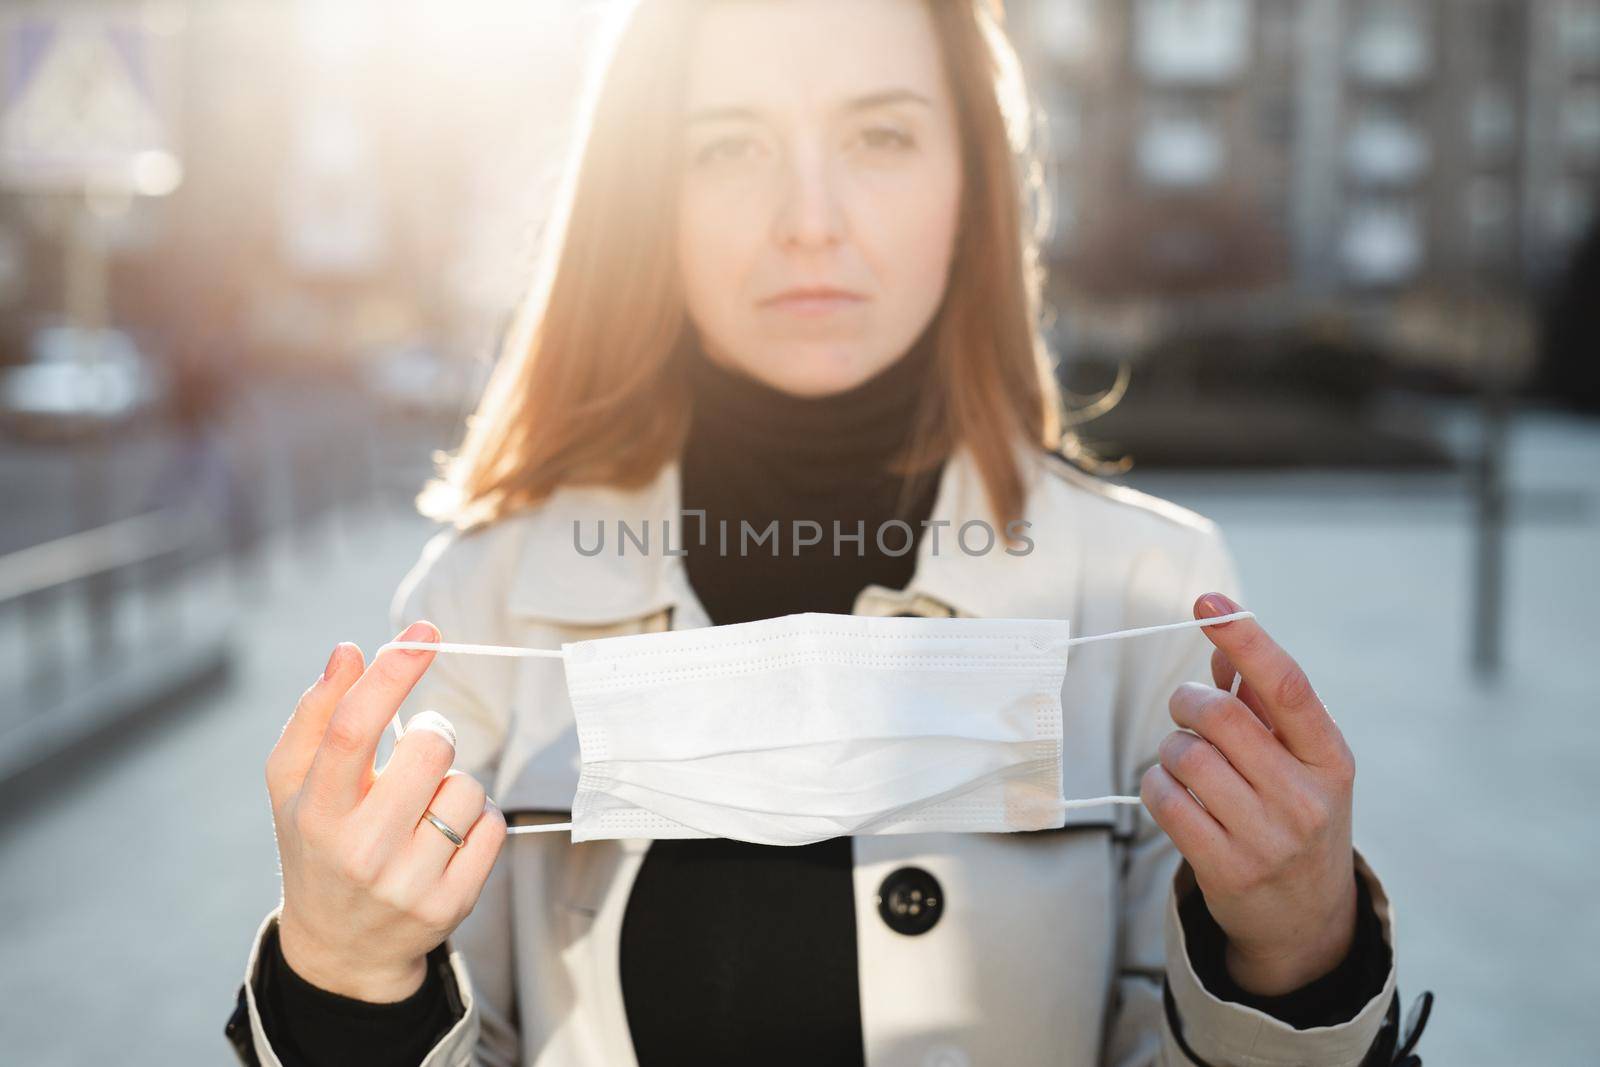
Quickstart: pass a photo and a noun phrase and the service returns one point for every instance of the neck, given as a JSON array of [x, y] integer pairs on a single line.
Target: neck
[[859, 429]]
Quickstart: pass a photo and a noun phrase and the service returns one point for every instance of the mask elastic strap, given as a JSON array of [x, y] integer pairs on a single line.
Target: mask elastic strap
[[1233, 690], [540, 828], [478, 650], [1141, 631], [1095, 802], [554, 653], [473, 650]]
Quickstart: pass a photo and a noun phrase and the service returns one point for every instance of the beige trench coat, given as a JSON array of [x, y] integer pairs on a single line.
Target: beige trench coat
[[1053, 947]]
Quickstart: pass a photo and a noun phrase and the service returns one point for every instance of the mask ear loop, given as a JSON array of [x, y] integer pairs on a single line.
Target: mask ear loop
[[473, 650], [514, 651], [1117, 635], [519, 652]]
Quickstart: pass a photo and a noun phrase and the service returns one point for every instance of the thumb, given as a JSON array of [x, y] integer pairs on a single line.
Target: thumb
[[291, 757]]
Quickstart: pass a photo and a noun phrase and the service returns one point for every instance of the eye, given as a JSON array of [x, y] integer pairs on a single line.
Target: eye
[[886, 137], [726, 149]]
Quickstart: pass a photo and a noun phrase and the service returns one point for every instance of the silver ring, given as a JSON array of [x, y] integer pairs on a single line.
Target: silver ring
[[444, 828]]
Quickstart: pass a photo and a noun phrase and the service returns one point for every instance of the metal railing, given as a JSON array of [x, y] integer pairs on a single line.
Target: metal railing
[[97, 620], [78, 556]]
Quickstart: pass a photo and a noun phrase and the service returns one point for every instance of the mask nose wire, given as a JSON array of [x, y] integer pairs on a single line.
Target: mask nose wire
[[528, 653]]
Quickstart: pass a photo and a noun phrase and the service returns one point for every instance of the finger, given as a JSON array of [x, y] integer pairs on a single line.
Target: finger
[[1299, 720], [469, 867], [342, 772], [1233, 729], [1204, 771], [459, 802], [291, 757], [421, 759], [1193, 829], [1226, 676]]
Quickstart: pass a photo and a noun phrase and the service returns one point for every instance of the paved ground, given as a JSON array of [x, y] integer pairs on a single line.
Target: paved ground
[[1475, 801], [130, 889]]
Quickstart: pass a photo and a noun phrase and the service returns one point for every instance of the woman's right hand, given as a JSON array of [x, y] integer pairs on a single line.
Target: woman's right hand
[[369, 886]]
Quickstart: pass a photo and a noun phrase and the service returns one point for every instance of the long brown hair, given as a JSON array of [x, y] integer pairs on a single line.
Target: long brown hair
[[590, 386]]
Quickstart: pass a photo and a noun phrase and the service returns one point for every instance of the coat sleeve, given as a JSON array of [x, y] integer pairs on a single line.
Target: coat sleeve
[[472, 695], [1161, 1012]]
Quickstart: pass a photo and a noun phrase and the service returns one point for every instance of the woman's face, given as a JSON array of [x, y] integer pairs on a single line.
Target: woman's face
[[821, 181]]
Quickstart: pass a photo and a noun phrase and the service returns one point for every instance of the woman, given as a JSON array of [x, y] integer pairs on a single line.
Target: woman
[[795, 293]]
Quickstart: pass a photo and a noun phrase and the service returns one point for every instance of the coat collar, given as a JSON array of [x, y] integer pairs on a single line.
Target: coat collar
[[553, 579]]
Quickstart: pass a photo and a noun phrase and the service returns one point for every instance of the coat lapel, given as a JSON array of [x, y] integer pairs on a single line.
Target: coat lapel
[[959, 568], [572, 569]]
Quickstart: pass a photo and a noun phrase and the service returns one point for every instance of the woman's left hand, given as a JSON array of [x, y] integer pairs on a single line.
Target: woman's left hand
[[1259, 804]]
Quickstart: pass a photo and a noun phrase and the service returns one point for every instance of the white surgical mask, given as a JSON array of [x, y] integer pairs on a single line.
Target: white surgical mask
[[805, 727]]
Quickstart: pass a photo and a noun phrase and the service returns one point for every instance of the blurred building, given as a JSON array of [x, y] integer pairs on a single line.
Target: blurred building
[[356, 176], [363, 176], [1315, 146]]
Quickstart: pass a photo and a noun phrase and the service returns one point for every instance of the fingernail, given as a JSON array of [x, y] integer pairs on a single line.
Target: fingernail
[[418, 631], [1215, 604], [333, 661], [434, 722]]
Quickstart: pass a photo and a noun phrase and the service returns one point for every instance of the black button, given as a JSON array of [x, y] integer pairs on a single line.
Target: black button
[[910, 901]]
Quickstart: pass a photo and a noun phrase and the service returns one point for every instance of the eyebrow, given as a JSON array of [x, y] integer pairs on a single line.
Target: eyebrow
[[859, 103]]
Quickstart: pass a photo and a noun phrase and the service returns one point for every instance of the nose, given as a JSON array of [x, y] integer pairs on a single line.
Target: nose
[[811, 214]]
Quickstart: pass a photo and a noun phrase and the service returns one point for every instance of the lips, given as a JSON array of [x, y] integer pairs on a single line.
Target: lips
[[812, 299]]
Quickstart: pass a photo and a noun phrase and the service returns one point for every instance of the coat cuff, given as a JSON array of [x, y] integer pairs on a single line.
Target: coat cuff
[[1217, 1032], [454, 1049]]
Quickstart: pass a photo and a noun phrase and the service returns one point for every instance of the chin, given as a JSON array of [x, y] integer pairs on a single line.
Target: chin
[[814, 372]]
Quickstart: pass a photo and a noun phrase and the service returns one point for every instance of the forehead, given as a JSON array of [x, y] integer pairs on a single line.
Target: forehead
[[797, 55]]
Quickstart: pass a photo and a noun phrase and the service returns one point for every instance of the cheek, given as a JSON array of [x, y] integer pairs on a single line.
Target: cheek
[[910, 235], [718, 241]]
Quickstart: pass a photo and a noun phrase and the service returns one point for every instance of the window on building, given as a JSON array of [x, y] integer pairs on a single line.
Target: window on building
[[1580, 124], [1180, 149], [1389, 45], [1192, 42], [1382, 243], [1490, 216], [1578, 31], [1491, 123], [1383, 148], [1567, 211]]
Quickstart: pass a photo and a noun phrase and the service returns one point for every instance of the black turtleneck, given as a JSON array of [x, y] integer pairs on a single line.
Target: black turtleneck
[[757, 456]]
